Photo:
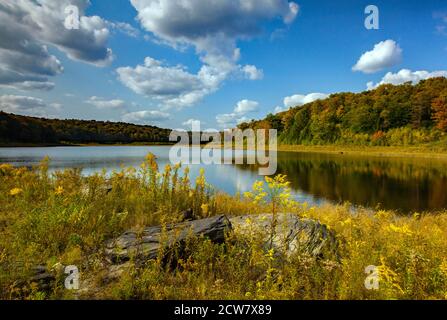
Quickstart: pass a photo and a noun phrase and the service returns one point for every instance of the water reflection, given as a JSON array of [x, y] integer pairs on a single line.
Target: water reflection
[[406, 185]]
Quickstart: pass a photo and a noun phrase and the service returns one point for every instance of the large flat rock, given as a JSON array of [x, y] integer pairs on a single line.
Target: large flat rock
[[291, 233], [147, 245]]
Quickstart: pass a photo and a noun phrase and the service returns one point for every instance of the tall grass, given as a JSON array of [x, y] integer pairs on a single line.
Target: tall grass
[[64, 218]]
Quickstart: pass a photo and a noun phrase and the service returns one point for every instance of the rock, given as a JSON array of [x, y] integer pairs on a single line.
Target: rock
[[292, 234], [42, 277], [147, 245]]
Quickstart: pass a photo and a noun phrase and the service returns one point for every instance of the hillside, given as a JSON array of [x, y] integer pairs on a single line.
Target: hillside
[[389, 115], [23, 129]]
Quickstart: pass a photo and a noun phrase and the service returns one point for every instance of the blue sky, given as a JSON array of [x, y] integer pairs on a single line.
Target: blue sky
[[221, 63]]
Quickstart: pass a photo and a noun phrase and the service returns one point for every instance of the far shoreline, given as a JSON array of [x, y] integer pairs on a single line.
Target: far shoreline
[[423, 152], [374, 151]]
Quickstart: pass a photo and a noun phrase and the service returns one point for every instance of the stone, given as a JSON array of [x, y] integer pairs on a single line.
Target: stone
[[147, 245], [42, 277], [291, 234]]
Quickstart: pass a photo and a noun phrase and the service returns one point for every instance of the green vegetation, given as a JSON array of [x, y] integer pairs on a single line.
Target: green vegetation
[[404, 115], [66, 218], [22, 130]]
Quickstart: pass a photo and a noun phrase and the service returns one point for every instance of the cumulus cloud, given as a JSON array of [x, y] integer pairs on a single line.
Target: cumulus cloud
[[213, 29], [188, 21], [28, 27], [279, 109], [406, 75], [189, 123], [174, 86], [384, 55], [242, 108], [28, 106], [253, 73], [145, 117], [293, 12], [101, 103], [246, 106], [300, 99]]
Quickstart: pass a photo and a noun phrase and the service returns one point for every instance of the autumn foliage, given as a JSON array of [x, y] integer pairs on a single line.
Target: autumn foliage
[[391, 115]]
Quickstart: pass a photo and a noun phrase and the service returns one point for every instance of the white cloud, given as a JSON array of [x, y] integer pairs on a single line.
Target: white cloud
[[246, 106], [145, 117], [125, 28], [187, 21], [300, 99], [174, 86], [28, 28], [291, 15], [384, 55], [213, 29], [253, 73], [242, 108], [279, 109], [228, 120], [101, 103], [189, 122], [28, 106], [406, 75]]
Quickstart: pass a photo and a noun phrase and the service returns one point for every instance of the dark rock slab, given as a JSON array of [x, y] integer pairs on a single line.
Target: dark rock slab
[[147, 245], [43, 278]]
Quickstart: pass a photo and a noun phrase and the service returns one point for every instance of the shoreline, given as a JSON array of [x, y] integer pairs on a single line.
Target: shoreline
[[423, 152], [389, 152]]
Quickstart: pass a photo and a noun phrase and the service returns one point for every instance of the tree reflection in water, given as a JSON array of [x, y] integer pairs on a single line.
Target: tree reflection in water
[[405, 185]]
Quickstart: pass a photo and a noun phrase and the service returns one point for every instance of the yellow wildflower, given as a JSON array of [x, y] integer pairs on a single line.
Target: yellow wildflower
[[403, 230], [205, 208], [59, 190], [15, 191], [6, 168]]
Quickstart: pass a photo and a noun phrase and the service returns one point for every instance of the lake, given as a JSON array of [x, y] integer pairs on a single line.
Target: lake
[[406, 185]]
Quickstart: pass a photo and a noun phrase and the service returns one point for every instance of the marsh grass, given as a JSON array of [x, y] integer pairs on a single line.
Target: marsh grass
[[64, 218]]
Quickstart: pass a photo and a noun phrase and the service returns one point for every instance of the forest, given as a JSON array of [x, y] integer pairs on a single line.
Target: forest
[[390, 115], [24, 129]]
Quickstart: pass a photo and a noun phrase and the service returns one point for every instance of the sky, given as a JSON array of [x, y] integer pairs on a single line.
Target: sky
[[169, 62]]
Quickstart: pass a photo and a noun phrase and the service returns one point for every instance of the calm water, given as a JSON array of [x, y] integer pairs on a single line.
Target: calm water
[[401, 184]]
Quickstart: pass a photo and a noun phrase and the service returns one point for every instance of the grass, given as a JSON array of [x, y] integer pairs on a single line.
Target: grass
[[65, 218]]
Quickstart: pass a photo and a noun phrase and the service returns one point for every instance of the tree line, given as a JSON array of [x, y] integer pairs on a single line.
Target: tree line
[[405, 114], [24, 129]]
